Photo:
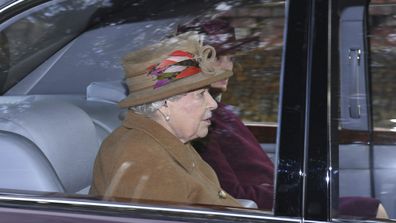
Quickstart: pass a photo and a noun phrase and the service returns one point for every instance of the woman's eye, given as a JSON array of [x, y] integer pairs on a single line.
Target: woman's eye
[[202, 93]]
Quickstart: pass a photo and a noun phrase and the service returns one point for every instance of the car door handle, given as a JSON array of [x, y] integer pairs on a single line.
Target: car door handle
[[354, 57]]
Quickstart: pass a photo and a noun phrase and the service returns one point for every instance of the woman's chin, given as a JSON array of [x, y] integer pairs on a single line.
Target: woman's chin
[[203, 133]]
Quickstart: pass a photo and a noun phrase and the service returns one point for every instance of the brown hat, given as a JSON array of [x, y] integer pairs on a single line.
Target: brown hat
[[171, 67]]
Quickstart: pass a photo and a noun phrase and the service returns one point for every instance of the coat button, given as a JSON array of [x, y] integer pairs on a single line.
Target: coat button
[[222, 194]]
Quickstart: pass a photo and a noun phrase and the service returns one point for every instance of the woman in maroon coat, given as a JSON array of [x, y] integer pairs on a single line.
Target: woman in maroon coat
[[243, 168]]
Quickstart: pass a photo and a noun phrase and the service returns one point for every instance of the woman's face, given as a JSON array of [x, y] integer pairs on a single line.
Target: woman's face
[[190, 115]]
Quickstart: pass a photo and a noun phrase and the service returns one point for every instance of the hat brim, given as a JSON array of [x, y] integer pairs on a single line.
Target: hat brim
[[180, 86]]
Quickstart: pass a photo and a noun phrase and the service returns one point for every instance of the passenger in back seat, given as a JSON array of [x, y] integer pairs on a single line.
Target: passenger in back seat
[[150, 157], [244, 169]]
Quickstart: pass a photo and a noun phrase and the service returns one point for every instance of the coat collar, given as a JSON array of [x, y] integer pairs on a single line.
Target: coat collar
[[179, 151]]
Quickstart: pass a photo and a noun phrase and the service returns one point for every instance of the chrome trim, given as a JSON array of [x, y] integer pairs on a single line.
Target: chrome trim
[[12, 4], [23, 14], [261, 124], [134, 207]]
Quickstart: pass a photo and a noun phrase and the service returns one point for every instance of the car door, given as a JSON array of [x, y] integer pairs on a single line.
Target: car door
[[366, 153], [325, 136]]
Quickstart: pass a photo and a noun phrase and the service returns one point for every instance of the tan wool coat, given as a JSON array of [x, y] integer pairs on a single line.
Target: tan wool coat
[[142, 160]]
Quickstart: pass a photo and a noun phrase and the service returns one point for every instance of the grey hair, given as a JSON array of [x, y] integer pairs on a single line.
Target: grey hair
[[149, 109]]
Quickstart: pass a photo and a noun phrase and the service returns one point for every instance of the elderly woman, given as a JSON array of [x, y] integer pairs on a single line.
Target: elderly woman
[[150, 157]]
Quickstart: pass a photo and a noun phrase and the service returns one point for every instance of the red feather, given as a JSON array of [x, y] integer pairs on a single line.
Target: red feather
[[151, 66], [180, 53], [188, 72]]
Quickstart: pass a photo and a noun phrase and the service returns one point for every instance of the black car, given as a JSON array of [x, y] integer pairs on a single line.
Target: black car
[[317, 92]]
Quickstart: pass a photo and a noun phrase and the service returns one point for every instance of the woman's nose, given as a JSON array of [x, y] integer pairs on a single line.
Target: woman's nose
[[212, 104]]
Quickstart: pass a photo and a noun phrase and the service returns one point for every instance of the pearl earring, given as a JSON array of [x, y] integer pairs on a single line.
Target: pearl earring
[[167, 118]]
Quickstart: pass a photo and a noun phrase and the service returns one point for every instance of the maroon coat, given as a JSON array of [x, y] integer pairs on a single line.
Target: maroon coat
[[365, 207], [243, 168]]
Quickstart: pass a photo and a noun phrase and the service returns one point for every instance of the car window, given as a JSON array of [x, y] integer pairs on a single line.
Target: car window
[[382, 33], [3, 2], [367, 109], [382, 52], [262, 74], [30, 38], [63, 76]]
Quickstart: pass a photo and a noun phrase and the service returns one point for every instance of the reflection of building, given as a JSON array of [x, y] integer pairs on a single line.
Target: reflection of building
[[255, 90], [382, 28]]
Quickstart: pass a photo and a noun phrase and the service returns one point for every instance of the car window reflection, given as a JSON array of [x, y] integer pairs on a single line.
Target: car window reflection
[[82, 74]]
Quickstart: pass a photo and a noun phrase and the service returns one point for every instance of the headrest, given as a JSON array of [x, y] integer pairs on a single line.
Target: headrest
[[109, 91]]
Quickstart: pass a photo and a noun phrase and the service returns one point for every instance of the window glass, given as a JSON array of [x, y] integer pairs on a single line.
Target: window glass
[[382, 39], [70, 58], [29, 39], [365, 141], [383, 53], [256, 89]]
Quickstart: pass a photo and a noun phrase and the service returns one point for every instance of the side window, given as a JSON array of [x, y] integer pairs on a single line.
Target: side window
[[30, 38], [255, 88], [382, 40], [45, 52], [253, 91], [366, 124]]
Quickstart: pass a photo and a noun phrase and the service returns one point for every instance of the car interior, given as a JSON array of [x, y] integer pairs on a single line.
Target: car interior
[[58, 135], [53, 121]]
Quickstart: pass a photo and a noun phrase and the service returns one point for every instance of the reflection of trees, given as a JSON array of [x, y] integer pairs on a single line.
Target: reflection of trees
[[35, 37], [382, 62], [4, 64], [32, 33], [255, 90], [384, 86]]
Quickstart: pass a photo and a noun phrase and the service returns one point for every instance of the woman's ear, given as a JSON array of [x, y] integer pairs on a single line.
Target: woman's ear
[[164, 111]]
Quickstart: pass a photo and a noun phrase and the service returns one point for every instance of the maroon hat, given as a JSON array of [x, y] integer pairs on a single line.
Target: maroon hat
[[219, 34]]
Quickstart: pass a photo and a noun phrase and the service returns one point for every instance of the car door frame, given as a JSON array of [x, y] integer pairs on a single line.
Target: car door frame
[[303, 183], [307, 159]]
